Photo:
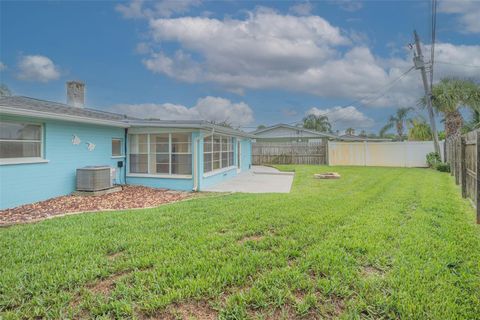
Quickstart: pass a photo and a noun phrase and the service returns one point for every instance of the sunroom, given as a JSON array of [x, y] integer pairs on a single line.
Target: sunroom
[[189, 156]]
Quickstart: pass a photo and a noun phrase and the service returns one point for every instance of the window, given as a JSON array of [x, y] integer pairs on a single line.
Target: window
[[20, 140], [117, 147], [162, 153], [217, 152]]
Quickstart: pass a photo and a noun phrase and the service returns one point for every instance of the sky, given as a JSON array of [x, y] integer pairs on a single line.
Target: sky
[[243, 62]]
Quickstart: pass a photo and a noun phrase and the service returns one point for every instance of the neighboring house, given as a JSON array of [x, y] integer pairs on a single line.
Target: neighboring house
[[288, 133], [351, 137], [42, 143]]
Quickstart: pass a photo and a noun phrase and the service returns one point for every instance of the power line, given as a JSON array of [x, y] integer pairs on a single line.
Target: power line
[[360, 100], [459, 64], [434, 29]]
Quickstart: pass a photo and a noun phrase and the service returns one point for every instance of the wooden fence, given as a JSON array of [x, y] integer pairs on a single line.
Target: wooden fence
[[289, 153], [463, 155]]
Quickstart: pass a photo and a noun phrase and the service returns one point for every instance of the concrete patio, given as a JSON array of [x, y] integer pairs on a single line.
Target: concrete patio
[[259, 179]]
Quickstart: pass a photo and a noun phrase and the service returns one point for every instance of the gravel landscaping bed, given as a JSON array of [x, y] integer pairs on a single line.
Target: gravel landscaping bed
[[129, 197]]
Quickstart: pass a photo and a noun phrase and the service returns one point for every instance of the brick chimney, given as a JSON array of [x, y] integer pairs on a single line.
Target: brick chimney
[[76, 94]]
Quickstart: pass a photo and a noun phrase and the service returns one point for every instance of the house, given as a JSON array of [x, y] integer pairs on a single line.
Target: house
[[355, 138], [42, 143], [287, 133]]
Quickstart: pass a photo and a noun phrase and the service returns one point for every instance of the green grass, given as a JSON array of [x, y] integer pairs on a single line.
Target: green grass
[[378, 243]]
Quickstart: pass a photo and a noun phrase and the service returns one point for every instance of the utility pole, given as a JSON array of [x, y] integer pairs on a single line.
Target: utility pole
[[420, 64]]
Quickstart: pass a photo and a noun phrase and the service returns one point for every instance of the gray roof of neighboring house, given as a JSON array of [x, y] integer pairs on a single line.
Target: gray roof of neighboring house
[[312, 133], [25, 106], [349, 137]]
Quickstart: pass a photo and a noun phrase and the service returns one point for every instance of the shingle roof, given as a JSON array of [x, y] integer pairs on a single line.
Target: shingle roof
[[49, 109], [32, 104]]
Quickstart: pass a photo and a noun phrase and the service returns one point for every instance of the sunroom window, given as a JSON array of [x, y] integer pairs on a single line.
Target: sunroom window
[[161, 154], [20, 140], [217, 152]]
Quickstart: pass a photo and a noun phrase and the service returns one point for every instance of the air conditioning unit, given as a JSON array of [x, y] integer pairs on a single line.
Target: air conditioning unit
[[94, 178]]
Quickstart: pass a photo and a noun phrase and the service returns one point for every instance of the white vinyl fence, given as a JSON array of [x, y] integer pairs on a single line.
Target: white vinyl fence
[[385, 154]]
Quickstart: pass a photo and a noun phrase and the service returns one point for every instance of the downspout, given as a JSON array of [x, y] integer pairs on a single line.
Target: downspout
[[125, 159], [195, 164]]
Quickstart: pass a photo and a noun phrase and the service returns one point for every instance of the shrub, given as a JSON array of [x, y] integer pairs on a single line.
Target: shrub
[[442, 167], [433, 158]]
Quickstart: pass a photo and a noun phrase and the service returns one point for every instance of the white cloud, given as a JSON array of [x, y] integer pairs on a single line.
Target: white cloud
[[149, 9], [208, 108], [297, 53], [344, 117], [2, 66], [302, 9], [37, 68], [468, 13]]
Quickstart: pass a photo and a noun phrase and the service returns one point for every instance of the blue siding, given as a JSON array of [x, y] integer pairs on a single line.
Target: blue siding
[[166, 183], [26, 183]]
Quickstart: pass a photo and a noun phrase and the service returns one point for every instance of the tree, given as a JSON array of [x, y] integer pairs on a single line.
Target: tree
[[261, 126], [350, 131], [398, 120], [473, 123], [419, 130], [318, 123], [449, 96], [5, 91], [362, 134]]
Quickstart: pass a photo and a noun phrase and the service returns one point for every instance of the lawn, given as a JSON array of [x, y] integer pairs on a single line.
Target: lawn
[[378, 243]]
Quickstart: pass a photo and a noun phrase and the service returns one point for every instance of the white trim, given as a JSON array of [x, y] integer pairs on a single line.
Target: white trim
[[159, 176], [218, 171], [10, 161], [64, 117], [155, 130], [117, 157]]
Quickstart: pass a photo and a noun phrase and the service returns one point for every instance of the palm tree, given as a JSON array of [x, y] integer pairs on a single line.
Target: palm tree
[[419, 130], [350, 131], [317, 123], [449, 96], [473, 123], [398, 121]]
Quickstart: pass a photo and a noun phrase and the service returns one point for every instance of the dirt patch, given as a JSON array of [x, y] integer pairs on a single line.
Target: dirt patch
[[131, 197], [254, 238], [199, 310], [105, 286], [371, 271], [114, 255]]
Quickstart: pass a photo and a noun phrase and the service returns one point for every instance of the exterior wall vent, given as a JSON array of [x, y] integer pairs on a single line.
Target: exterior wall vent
[[94, 178]]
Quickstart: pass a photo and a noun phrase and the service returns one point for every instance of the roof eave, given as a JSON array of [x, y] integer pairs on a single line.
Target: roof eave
[[201, 125], [64, 117]]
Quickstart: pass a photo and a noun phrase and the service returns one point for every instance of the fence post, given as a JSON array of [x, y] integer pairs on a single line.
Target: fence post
[[477, 177], [463, 167], [365, 153], [327, 150]]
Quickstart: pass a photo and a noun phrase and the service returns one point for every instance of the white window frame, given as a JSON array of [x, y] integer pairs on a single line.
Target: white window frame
[[122, 151], [26, 160], [211, 152], [161, 175]]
